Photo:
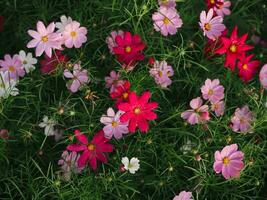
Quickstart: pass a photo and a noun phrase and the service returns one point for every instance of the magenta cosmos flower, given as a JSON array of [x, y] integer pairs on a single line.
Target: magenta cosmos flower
[[13, 66], [199, 113], [263, 76], [78, 77], [44, 39], [74, 35], [113, 125], [212, 90], [91, 150], [229, 161], [212, 26], [113, 81], [242, 120], [167, 3], [184, 196], [167, 21], [110, 40], [218, 108]]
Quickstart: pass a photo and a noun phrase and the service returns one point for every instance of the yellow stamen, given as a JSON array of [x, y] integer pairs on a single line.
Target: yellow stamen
[[73, 34], [128, 49], [24, 62], [226, 161], [245, 67], [212, 1], [207, 26], [137, 111], [233, 48], [11, 69], [114, 124], [45, 39], [160, 74], [91, 147], [210, 92], [166, 21], [125, 95]]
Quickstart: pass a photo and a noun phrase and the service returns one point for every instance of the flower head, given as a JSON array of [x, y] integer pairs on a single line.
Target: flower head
[[27, 61], [218, 108], [91, 150], [121, 93], [212, 26], [13, 66], [247, 68], [198, 114], [110, 40], [132, 165], [229, 161], [44, 39], [128, 48], [113, 81], [7, 86], [184, 196], [74, 35], [78, 77], [263, 76], [138, 111], [221, 7], [49, 125], [212, 90], [167, 21], [167, 3], [242, 119], [64, 21], [113, 125]]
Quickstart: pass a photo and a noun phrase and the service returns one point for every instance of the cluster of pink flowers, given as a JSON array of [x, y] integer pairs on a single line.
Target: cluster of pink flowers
[[220, 7]]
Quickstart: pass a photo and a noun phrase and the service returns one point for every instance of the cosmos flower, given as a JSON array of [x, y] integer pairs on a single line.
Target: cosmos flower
[[64, 21], [167, 21], [44, 39], [229, 161], [110, 40], [213, 27], [246, 68], [222, 8], [218, 108], [27, 61], [93, 150], [263, 76], [48, 125], [113, 81], [13, 66], [242, 120], [7, 86], [121, 93], [132, 165], [212, 90], [184, 196], [113, 125]]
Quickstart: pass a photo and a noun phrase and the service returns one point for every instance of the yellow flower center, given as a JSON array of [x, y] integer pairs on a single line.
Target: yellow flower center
[[245, 67], [233, 48], [207, 26], [160, 74], [2, 85], [128, 49], [215, 106], [114, 124], [166, 21], [24, 62], [73, 34], [243, 120], [45, 38], [226, 161], [165, 1], [212, 1], [210, 92], [125, 95], [11, 69], [137, 111], [91, 147]]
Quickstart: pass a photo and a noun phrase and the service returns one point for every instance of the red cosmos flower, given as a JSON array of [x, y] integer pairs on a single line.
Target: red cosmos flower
[[121, 93], [49, 65], [1, 23], [138, 111], [128, 49], [234, 48], [247, 68], [91, 151]]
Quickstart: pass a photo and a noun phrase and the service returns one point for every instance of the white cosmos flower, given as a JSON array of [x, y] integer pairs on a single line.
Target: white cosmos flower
[[7, 85], [27, 61], [64, 22], [48, 124], [132, 165]]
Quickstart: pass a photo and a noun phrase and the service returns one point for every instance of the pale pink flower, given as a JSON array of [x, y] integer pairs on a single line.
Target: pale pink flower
[[242, 120], [167, 3], [198, 114], [113, 81], [64, 21], [218, 108], [78, 77], [167, 21], [110, 40], [184, 196], [13, 66], [44, 39], [223, 9], [263, 76], [161, 72], [212, 26], [113, 125], [74, 35], [229, 161], [212, 90]]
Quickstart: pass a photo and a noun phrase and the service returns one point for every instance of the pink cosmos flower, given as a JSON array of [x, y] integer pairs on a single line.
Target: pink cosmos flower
[[110, 40], [114, 127], [91, 151], [263, 76], [212, 90], [212, 26], [167, 3], [223, 9], [218, 108], [78, 77], [198, 114], [229, 161], [13, 66], [113, 81], [44, 39], [161, 72], [74, 35], [242, 119], [167, 21], [184, 196]]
